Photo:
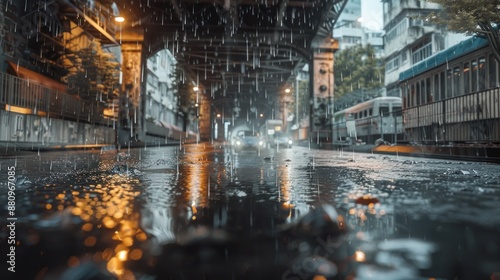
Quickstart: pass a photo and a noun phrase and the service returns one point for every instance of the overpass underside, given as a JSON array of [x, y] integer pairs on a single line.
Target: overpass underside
[[244, 51]]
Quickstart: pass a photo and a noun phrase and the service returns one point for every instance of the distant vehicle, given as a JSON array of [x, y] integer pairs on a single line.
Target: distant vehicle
[[378, 118], [247, 140], [269, 129], [282, 139]]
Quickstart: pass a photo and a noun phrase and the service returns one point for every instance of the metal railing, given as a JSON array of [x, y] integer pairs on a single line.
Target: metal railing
[[37, 99], [473, 118]]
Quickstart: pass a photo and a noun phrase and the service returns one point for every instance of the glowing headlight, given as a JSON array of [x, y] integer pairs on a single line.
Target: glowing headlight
[[238, 143], [261, 143], [290, 142]]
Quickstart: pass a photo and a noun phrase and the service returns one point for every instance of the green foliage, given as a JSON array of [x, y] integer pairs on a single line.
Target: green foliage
[[473, 17], [303, 99], [186, 96], [96, 75], [357, 68]]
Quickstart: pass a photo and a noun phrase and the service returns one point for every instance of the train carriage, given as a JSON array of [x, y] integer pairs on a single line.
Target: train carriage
[[453, 96], [378, 118]]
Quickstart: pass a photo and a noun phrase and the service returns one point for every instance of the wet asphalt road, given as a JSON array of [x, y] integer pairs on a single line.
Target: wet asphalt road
[[201, 212]]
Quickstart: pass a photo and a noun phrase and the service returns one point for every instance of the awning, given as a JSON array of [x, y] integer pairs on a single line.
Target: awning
[[36, 78]]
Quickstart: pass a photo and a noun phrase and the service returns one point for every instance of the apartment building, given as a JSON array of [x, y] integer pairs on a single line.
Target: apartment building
[[350, 29], [161, 102], [409, 39]]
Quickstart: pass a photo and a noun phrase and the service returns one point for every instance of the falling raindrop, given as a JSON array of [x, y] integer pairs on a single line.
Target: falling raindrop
[[317, 184], [208, 188]]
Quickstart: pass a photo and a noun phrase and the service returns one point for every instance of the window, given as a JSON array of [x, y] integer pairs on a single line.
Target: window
[[474, 75], [396, 111], [417, 94], [442, 84], [404, 56], [404, 95], [493, 71], [411, 101], [384, 111], [392, 64], [437, 92], [397, 30], [448, 83], [466, 77], [428, 90], [457, 90], [482, 73], [423, 93], [421, 52], [351, 40]]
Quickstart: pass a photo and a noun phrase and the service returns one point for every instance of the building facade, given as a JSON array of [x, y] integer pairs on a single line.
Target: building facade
[[349, 30], [409, 39], [161, 102]]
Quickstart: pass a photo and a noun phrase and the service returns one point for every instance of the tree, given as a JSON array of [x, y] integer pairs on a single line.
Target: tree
[[186, 95], [96, 75], [357, 68], [472, 17]]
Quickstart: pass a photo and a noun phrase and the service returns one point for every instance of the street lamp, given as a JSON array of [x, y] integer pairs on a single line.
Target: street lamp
[[197, 90], [119, 125], [285, 100], [120, 20]]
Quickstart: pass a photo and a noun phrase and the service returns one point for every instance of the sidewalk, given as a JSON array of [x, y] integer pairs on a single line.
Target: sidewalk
[[486, 153], [20, 148], [9, 149]]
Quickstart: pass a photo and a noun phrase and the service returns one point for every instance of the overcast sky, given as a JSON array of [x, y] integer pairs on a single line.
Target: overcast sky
[[372, 14]]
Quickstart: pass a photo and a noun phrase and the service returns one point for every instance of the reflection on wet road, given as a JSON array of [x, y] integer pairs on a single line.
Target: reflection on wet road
[[201, 212]]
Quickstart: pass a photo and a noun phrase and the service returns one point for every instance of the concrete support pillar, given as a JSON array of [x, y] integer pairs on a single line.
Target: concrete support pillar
[[131, 119], [322, 88]]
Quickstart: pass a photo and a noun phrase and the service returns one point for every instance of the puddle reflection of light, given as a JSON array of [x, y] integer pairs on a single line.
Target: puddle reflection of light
[[285, 188], [105, 206], [194, 211], [196, 176]]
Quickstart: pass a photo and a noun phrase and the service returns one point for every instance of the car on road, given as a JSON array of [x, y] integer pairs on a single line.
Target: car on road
[[247, 140], [282, 139]]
